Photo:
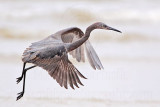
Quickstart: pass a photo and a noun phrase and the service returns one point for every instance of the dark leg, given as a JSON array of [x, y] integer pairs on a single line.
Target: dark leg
[[24, 70], [20, 78], [23, 75], [21, 93]]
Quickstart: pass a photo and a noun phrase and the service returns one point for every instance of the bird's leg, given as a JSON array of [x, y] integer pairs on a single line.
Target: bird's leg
[[21, 93], [20, 78], [24, 70], [24, 74]]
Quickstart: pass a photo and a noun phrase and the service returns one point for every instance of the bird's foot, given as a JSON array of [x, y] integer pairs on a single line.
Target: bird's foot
[[19, 79], [20, 95]]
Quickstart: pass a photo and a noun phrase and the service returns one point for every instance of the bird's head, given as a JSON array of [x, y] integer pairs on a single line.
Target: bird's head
[[100, 25]]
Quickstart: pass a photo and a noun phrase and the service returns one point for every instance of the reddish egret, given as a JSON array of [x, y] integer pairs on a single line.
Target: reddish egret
[[51, 54]]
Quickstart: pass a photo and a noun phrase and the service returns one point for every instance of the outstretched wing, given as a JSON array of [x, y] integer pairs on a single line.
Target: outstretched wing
[[73, 34], [61, 69]]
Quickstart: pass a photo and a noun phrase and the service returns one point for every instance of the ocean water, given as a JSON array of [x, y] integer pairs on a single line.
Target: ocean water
[[131, 60]]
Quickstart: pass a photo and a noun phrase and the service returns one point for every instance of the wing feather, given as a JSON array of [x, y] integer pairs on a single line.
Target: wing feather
[[61, 79], [70, 80], [77, 78], [65, 80], [92, 56], [63, 71], [55, 72], [72, 76]]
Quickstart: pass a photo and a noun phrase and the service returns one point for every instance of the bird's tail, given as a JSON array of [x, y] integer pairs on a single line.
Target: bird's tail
[[29, 55]]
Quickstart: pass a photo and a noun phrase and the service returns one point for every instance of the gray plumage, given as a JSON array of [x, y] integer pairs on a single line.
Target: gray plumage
[[51, 54]]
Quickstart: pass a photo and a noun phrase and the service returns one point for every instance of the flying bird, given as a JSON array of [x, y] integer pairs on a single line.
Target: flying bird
[[51, 54]]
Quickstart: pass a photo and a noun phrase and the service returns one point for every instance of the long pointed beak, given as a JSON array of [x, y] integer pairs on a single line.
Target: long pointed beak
[[110, 28]]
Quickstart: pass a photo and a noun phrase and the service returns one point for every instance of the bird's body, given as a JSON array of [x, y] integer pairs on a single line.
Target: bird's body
[[51, 54], [54, 44]]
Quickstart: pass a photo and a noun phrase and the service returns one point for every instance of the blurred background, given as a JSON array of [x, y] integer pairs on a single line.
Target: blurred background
[[131, 60]]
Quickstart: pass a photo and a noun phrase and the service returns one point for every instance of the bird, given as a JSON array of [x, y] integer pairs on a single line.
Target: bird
[[51, 54]]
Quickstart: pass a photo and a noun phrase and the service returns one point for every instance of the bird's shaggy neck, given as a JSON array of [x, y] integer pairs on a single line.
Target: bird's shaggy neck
[[79, 42], [89, 30]]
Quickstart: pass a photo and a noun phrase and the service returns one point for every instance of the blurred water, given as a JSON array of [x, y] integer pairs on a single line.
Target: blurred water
[[131, 60]]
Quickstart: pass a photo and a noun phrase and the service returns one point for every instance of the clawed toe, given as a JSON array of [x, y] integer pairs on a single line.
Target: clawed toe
[[20, 95], [19, 79]]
